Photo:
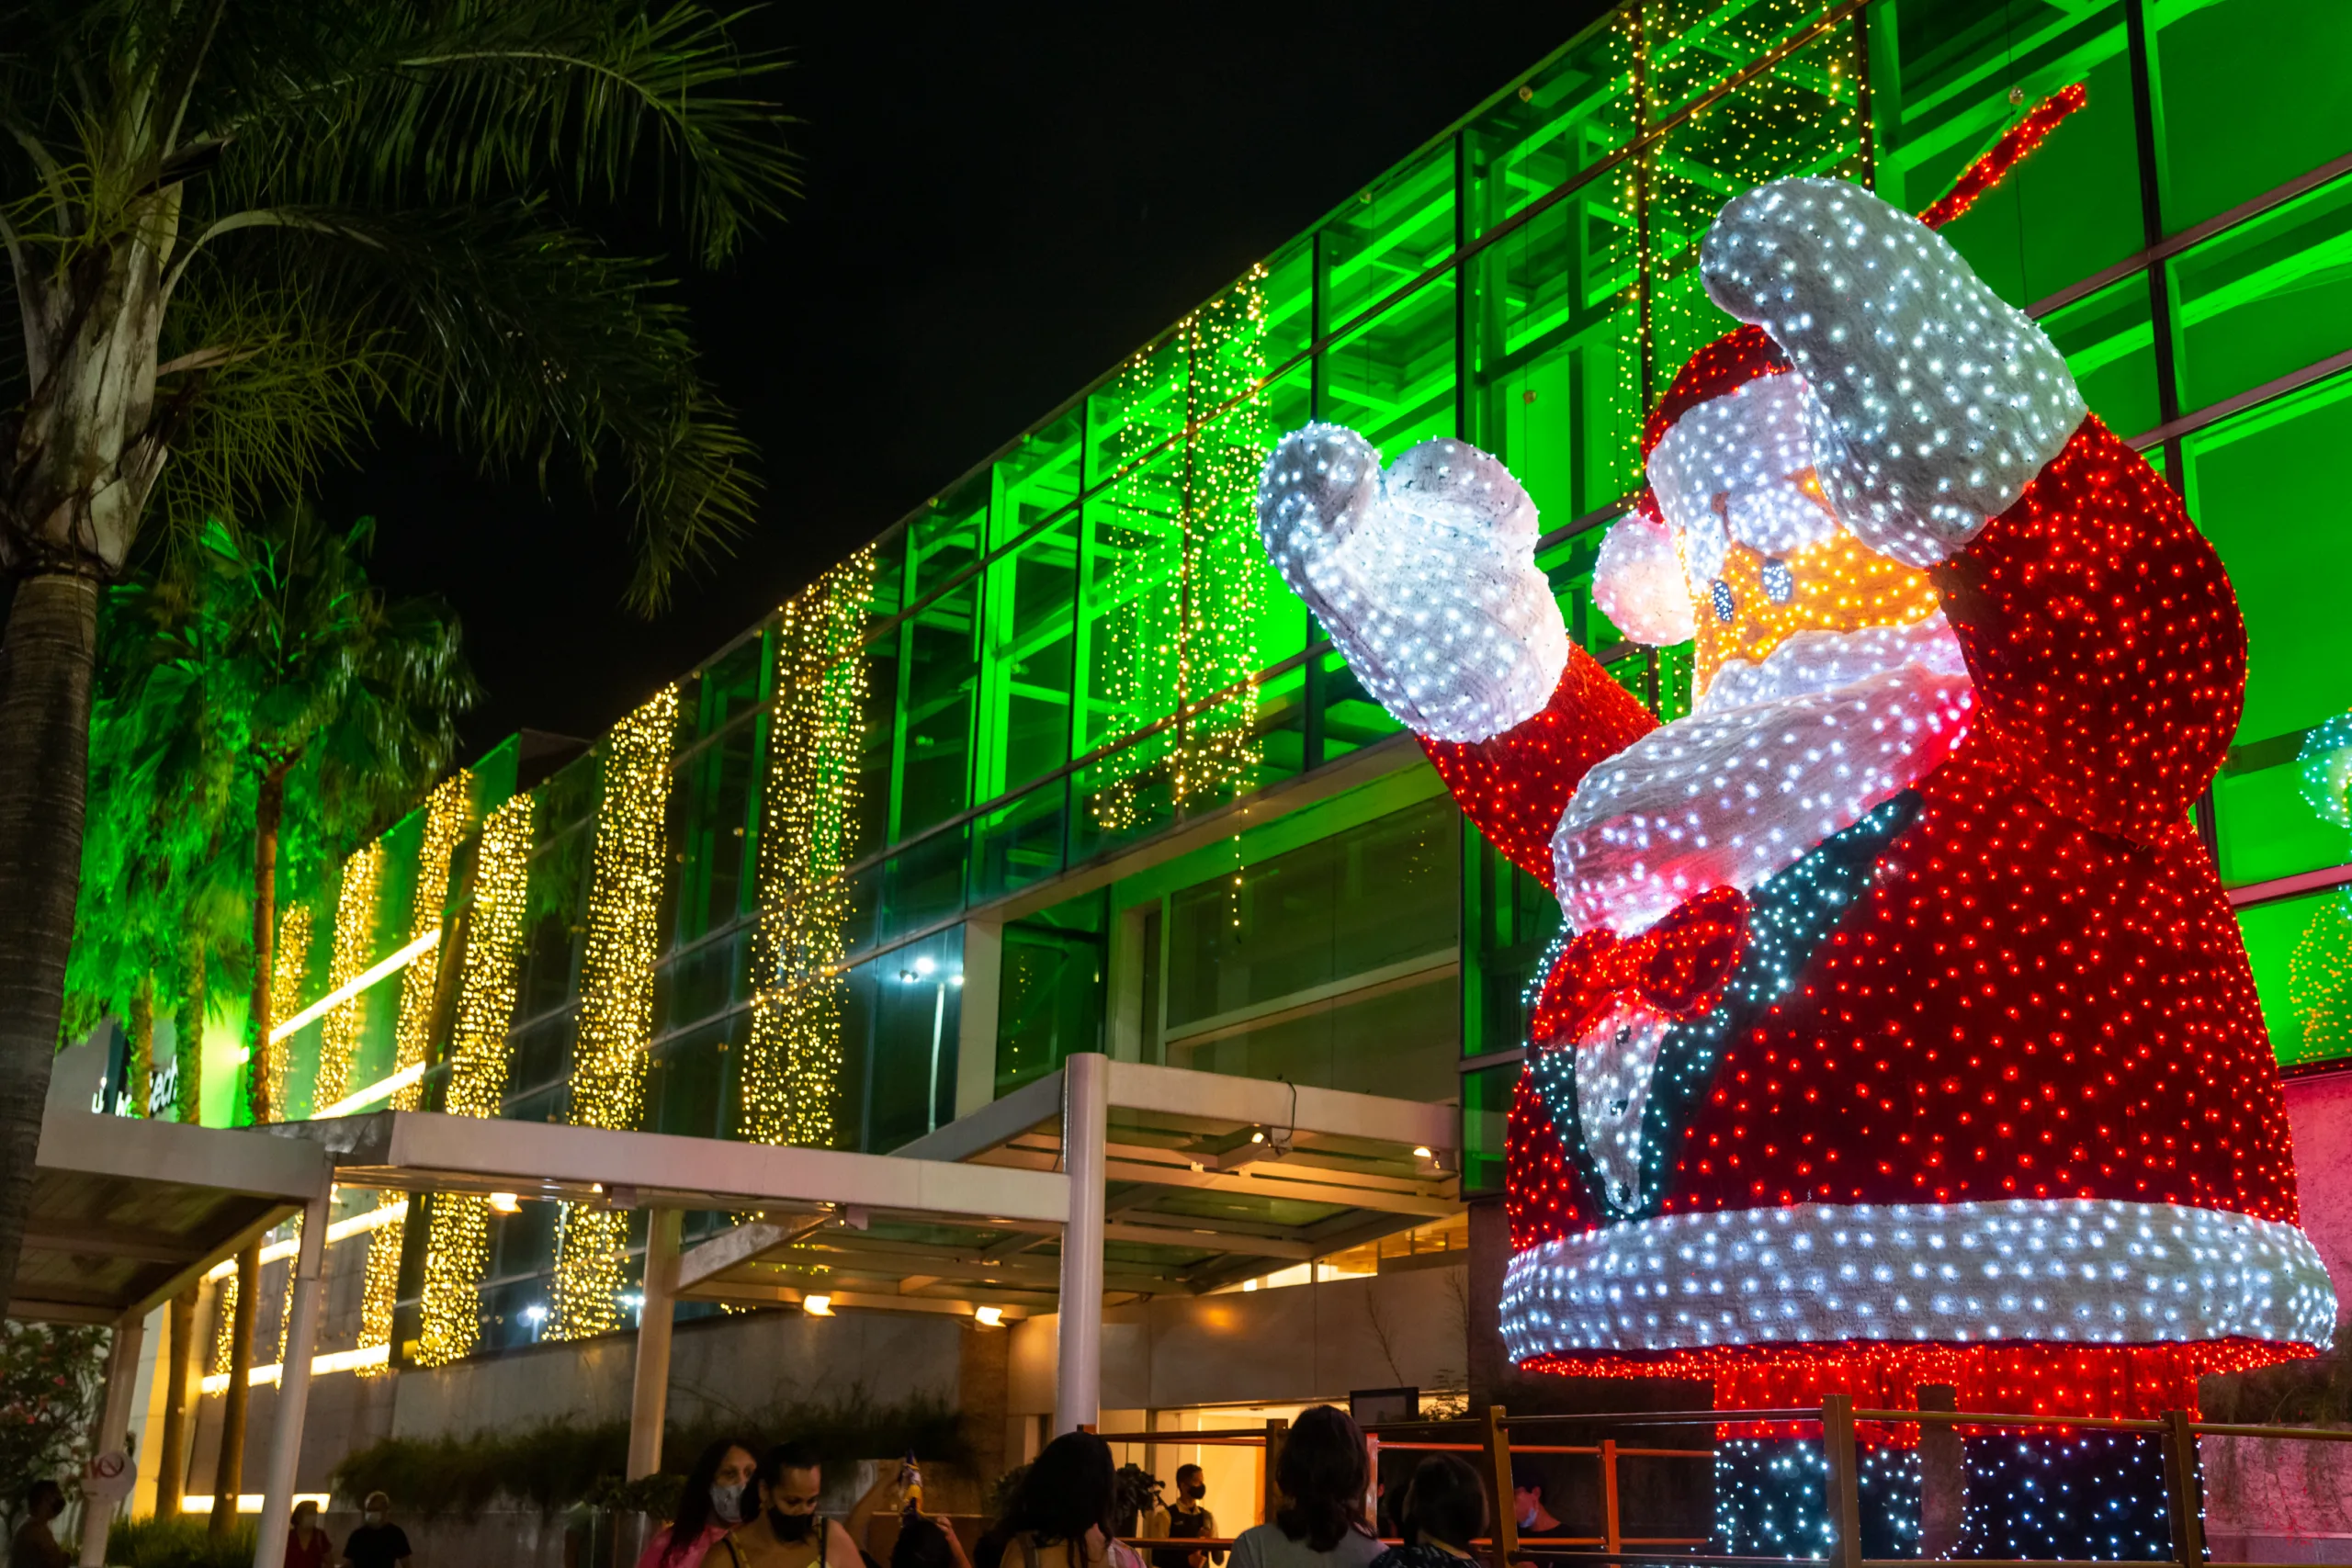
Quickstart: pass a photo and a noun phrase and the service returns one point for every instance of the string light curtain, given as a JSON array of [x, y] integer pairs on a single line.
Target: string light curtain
[[1165, 645], [791, 1074], [449, 812], [456, 1242], [615, 1000], [290, 961], [355, 950]]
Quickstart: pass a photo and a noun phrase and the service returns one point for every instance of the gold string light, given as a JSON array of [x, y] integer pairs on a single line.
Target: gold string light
[[224, 1322], [791, 1074], [457, 1240], [615, 1000], [1157, 650], [290, 961], [354, 949], [449, 812]]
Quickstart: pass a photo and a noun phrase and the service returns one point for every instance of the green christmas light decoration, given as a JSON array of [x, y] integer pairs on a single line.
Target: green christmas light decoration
[[1165, 646], [2319, 972]]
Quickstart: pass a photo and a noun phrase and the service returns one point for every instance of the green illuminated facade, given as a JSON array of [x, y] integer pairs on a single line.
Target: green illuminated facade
[[1059, 765]]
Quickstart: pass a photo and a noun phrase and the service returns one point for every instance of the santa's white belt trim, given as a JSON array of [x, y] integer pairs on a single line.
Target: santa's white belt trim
[[2082, 1270]]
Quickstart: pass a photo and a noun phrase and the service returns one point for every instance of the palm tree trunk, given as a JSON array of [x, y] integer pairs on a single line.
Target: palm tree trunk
[[229, 1475], [188, 1029], [268, 811], [171, 1466], [143, 1044], [46, 663]]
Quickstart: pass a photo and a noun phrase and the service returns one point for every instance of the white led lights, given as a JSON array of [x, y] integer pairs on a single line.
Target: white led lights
[[1932, 402], [1821, 661], [1614, 1063], [1425, 576], [2076, 1270], [1739, 465], [1729, 799], [1637, 583]]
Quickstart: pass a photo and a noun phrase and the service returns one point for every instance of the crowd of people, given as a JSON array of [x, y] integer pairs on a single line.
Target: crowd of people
[[745, 1508]]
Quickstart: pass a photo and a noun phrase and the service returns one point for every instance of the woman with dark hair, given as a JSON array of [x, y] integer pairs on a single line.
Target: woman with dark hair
[[1060, 1516], [1324, 1473], [716, 1498], [1444, 1511]]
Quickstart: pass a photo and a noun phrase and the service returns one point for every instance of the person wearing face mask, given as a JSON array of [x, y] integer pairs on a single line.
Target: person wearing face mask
[[717, 1497], [377, 1542], [787, 1531], [1184, 1519], [1527, 1502]]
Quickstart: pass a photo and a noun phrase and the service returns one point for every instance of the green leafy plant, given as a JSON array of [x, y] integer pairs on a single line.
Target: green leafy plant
[[181, 1542], [49, 1376], [1134, 1491]]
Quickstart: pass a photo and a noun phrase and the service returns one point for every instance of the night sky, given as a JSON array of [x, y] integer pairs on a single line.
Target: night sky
[[999, 207]]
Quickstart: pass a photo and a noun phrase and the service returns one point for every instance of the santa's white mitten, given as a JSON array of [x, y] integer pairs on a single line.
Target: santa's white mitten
[[1934, 401], [1425, 576]]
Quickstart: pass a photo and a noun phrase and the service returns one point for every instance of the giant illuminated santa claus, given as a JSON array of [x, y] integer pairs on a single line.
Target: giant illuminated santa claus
[[1900, 1032]]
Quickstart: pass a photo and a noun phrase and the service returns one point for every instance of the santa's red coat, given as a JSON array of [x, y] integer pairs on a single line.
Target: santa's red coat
[[2043, 994]]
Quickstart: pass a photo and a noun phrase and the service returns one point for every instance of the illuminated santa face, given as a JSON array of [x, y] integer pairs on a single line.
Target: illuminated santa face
[[1753, 565]]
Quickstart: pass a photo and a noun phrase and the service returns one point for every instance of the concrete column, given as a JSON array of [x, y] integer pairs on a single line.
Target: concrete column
[[114, 1425], [649, 1406], [975, 1015], [293, 1389], [1086, 1115]]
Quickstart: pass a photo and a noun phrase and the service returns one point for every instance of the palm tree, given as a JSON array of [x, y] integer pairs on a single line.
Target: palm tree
[[236, 234], [265, 695]]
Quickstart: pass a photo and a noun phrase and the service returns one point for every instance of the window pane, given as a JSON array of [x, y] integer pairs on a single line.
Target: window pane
[[1378, 897], [1289, 308], [2249, 480], [1553, 322], [1485, 1112], [710, 807], [1131, 569], [1513, 919], [1026, 724], [2111, 349], [1388, 238], [1393, 379], [1052, 998], [2268, 829], [2302, 954], [2253, 95], [1021, 842], [2266, 298], [2069, 210], [898, 1025], [1563, 121], [940, 674]]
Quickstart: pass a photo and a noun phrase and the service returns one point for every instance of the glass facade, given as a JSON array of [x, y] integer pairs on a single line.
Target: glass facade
[[1066, 721]]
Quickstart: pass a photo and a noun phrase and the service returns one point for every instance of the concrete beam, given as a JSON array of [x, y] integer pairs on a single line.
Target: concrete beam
[[1247, 1102], [994, 1125], [422, 1151], [732, 1249]]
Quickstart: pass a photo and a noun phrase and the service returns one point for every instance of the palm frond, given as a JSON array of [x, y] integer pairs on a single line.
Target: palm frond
[[513, 335], [361, 104]]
